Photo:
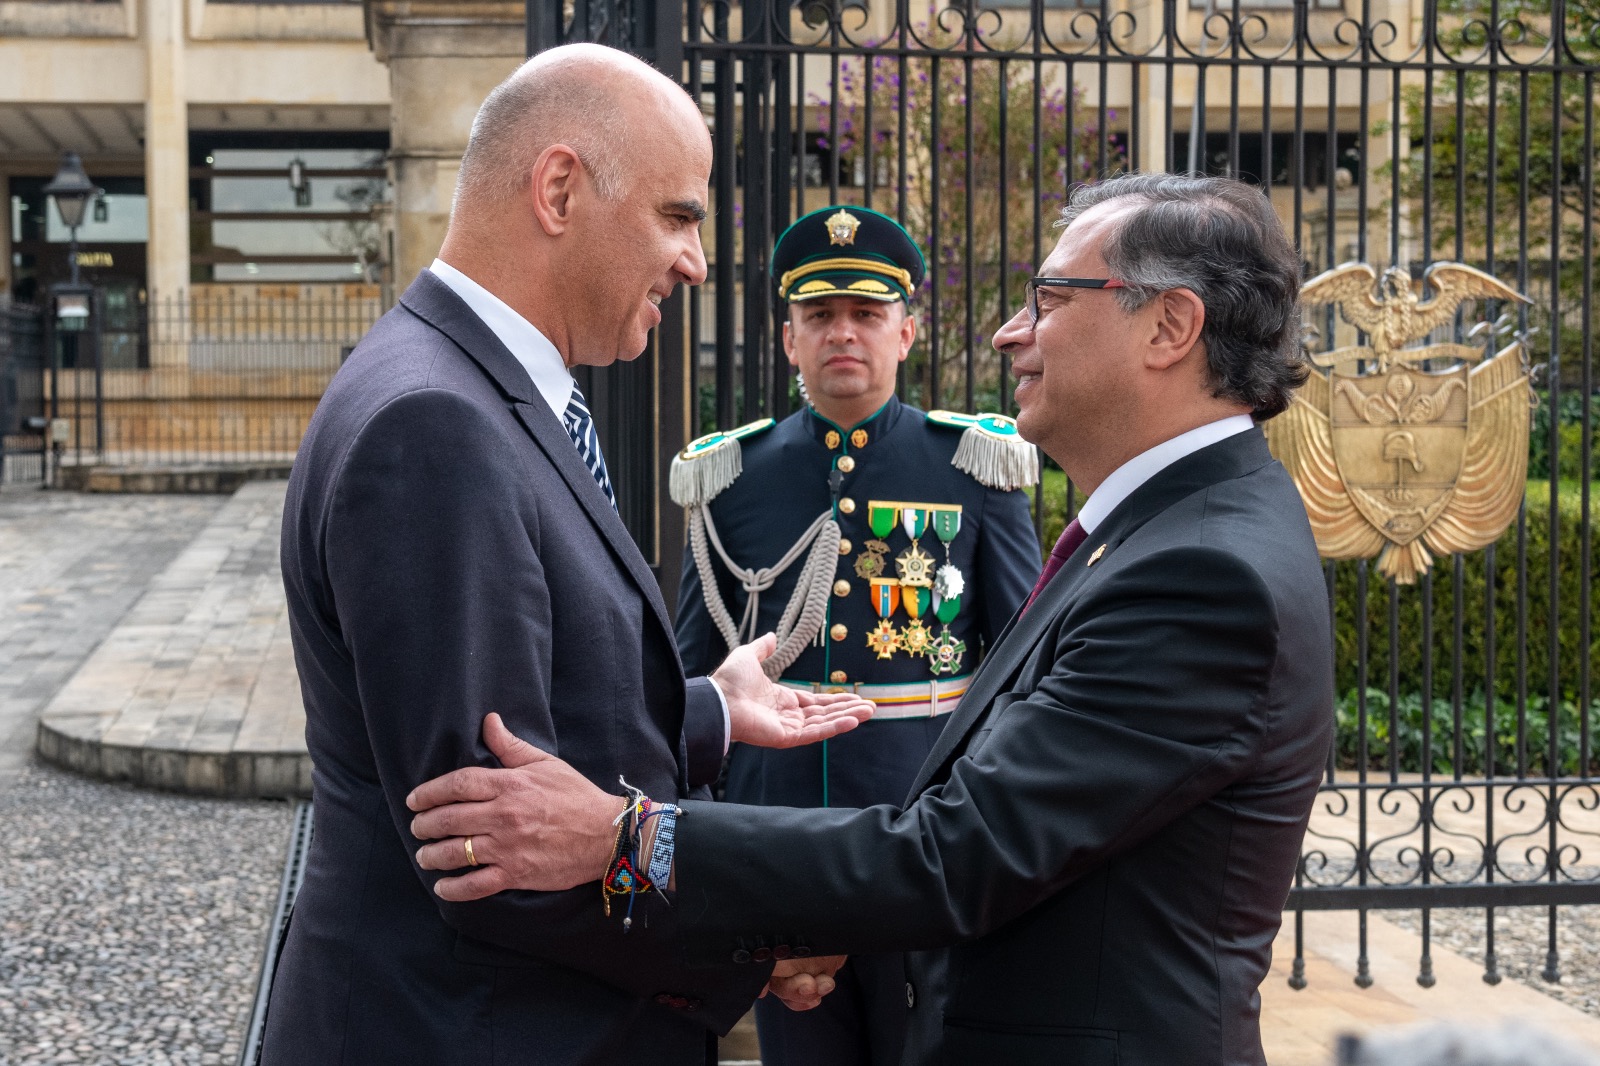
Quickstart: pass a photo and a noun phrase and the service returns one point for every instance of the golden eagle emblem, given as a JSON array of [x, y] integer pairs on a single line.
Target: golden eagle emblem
[[1400, 459]]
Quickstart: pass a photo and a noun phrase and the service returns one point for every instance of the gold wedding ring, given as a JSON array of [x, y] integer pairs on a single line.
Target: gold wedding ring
[[472, 860]]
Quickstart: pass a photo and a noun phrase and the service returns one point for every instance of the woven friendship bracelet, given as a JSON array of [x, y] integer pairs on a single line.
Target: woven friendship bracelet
[[660, 869]]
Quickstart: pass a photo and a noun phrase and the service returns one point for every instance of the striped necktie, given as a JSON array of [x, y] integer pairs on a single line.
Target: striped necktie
[[580, 426]]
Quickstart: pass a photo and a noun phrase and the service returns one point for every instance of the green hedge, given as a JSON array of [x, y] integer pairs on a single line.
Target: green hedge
[[1402, 730], [1506, 680]]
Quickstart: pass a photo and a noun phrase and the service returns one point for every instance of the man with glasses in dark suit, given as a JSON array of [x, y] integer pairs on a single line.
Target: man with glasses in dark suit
[[1101, 843]]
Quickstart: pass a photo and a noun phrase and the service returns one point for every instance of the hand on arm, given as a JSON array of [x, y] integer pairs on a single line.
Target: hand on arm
[[537, 823], [768, 715]]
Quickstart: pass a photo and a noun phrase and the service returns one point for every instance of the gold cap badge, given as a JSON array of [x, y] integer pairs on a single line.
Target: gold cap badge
[[842, 226]]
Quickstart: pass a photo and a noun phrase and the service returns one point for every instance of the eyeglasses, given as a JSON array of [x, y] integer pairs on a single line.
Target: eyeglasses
[[1031, 292]]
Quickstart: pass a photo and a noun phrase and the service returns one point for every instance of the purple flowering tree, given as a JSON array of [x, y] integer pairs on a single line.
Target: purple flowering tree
[[950, 177]]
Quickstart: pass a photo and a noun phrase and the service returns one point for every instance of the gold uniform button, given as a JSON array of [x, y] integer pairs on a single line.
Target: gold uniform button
[[841, 587], [838, 677], [847, 506], [839, 632], [845, 546], [846, 464]]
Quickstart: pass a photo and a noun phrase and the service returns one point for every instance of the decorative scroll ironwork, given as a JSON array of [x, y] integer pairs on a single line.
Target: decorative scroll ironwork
[[1466, 773]]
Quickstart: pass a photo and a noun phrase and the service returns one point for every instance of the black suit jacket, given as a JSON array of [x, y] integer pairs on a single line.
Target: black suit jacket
[[447, 554], [1108, 827]]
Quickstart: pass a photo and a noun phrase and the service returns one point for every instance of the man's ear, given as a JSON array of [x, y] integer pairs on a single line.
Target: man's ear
[[788, 343], [555, 179], [908, 334], [1178, 318]]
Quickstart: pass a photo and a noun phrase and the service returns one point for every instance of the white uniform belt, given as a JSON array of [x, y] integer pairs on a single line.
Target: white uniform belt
[[913, 699]]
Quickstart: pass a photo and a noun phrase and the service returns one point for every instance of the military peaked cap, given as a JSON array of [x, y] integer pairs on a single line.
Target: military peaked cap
[[847, 251]]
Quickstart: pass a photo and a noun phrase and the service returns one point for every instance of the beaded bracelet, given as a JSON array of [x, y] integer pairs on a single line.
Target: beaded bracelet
[[622, 877]]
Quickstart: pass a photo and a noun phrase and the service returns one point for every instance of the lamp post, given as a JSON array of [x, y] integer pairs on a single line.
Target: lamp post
[[71, 189]]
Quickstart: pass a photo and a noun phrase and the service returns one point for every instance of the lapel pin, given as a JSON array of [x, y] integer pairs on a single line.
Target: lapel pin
[[1095, 558]]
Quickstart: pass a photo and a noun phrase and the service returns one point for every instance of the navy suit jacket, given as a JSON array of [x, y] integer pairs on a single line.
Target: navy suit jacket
[[1108, 827], [447, 554]]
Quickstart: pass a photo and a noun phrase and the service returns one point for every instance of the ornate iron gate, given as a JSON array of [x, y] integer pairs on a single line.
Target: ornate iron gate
[[1465, 770]]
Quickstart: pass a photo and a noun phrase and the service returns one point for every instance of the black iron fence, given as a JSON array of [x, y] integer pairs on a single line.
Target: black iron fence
[[22, 407], [217, 376], [1465, 774]]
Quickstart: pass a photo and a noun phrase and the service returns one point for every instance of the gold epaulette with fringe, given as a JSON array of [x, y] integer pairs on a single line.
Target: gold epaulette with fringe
[[991, 449], [709, 464]]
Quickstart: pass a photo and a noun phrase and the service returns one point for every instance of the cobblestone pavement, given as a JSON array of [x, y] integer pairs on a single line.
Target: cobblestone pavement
[[70, 567], [131, 922]]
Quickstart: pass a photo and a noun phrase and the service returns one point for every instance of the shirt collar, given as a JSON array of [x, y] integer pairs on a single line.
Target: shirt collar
[[837, 438], [522, 338], [1146, 465]]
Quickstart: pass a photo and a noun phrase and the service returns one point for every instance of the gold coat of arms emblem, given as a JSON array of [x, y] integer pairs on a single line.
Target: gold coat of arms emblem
[[1404, 452]]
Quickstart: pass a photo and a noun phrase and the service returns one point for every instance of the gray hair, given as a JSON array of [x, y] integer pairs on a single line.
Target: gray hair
[[1463, 1045], [1220, 239], [544, 102]]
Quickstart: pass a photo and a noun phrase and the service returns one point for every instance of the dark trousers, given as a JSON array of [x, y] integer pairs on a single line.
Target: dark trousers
[[861, 1023]]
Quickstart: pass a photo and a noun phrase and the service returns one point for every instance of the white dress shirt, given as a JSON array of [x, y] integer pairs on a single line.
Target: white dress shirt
[[1146, 465], [544, 365], [522, 338]]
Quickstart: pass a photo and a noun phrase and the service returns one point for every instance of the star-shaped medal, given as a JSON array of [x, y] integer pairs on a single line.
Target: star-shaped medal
[[915, 567], [915, 638], [885, 640], [945, 653]]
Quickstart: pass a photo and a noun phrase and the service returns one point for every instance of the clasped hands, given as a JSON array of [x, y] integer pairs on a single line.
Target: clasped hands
[[538, 824]]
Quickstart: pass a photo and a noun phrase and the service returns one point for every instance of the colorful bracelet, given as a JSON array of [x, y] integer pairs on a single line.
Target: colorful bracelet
[[660, 868], [622, 877]]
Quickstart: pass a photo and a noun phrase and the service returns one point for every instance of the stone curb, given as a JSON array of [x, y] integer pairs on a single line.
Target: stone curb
[[207, 478], [232, 775]]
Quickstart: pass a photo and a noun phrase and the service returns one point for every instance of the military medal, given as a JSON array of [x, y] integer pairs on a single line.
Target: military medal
[[945, 653], [916, 599], [915, 520], [885, 596], [870, 564], [946, 523], [882, 519], [948, 585], [884, 640], [915, 638], [915, 566]]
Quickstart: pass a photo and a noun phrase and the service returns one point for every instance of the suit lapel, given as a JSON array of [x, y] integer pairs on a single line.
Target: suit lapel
[[437, 304], [1229, 458], [552, 438]]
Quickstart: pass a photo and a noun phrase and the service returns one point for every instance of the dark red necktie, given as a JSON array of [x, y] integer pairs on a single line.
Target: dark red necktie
[[1071, 537]]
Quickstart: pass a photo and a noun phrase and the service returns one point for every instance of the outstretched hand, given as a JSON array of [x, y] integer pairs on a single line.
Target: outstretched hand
[[536, 824], [768, 715]]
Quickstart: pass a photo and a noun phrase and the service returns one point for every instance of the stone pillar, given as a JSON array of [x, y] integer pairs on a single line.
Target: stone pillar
[[443, 59], [166, 149]]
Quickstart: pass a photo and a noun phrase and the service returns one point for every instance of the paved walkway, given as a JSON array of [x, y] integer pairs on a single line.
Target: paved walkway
[[70, 567], [195, 690]]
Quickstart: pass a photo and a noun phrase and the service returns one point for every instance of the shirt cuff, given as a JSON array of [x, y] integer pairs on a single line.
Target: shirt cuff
[[727, 723]]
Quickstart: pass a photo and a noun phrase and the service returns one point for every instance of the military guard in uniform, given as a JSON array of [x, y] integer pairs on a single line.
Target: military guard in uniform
[[887, 548]]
